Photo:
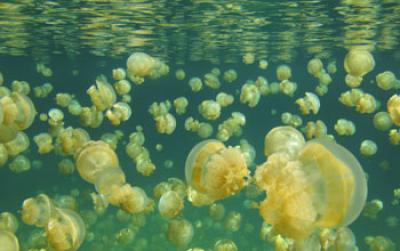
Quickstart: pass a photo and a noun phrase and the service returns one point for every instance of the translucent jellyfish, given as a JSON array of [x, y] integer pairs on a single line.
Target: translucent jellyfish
[[8, 222], [195, 84], [225, 245], [386, 80], [210, 109], [26, 111], [122, 87], [20, 164], [283, 139], [287, 87], [93, 158], [216, 211], [212, 81], [102, 94], [9, 241], [118, 74], [107, 179], [358, 62], [345, 127], [315, 66], [140, 64], [233, 221], [393, 108], [65, 230], [283, 72], [37, 211], [382, 121], [263, 64], [216, 170], [170, 204], [310, 103], [180, 232], [368, 147], [165, 124], [180, 74], [250, 95], [323, 187], [230, 75]]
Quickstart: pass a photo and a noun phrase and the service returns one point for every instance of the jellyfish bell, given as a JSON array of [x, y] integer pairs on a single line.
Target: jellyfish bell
[[140, 64], [341, 189], [216, 170], [108, 178], [65, 230], [323, 187], [93, 158], [26, 110], [283, 139], [9, 241], [358, 62], [170, 204], [37, 211]]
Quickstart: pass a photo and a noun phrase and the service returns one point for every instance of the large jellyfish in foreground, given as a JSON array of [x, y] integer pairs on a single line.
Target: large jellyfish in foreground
[[215, 170], [318, 185]]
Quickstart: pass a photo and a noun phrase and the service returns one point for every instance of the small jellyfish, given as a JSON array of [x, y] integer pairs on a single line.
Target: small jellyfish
[[180, 232], [283, 139], [283, 72], [93, 158], [216, 170], [65, 230], [37, 211], [170, 204], [368, 148], [386, 80], [382, 121], [393, 108]]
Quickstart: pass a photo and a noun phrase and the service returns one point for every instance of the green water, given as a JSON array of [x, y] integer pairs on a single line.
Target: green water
[[80, 40]]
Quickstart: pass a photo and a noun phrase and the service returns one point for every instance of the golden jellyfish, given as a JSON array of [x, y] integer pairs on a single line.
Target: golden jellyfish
[[170, 204], [212, 81], [393, 108], [248, 58], [180, 232], [26, 110], [283, 139], [230, 75], [310, 103], [283, 72], [323, 187], [196, 84], [118, 74], [225, 245], [368, 147], [358, 62], [37, 211], [102, 94], [216, 170], [8, 222], [9, 241], [122, 87], [65, 230], [180, 74], [107, 179], [233, 221], [263, 64], [216, 211], [380, 243], [210, 109], [315, 66], [386, 80], [93, 158], [140, 64], [20, 164], [382, 121]]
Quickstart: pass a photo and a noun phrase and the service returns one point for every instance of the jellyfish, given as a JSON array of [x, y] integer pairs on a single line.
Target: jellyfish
[[357, 63], [170, 204], [37, 211], [216, 170], [324, 186], [9, 241], [65, 230], [283, 138], [93, 158], [180, 232]]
